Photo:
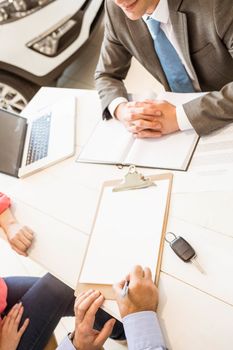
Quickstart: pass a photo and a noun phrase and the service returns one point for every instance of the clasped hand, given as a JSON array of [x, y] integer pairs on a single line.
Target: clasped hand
[[148, 119]]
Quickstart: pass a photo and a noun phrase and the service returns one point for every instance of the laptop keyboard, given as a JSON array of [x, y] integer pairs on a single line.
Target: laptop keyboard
[[39, 139]]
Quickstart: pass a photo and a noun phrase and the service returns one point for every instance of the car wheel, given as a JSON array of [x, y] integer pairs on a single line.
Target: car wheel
[[15, 92]]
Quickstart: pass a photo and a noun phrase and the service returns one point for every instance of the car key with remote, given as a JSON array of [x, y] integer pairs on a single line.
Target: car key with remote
[[183, 250]]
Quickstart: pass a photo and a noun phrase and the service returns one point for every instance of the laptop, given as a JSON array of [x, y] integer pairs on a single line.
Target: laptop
[[29, 144]]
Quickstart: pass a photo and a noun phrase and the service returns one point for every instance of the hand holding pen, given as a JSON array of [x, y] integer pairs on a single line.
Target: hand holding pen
[[125, 289], [137, 292]]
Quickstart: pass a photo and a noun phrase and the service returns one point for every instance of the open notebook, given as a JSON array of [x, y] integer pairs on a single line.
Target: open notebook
[[111, 143], [128, 230]]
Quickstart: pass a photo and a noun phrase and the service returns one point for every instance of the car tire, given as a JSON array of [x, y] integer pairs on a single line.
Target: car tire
[[15, 92]]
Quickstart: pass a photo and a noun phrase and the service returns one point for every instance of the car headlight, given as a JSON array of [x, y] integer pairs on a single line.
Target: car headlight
[[56, 39], [49, 44], [11, 10]]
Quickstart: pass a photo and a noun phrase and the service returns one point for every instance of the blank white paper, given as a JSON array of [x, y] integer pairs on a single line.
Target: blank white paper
[[127, 232]]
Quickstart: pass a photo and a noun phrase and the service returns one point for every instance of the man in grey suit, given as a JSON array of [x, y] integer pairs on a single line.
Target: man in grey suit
[[186, 45]]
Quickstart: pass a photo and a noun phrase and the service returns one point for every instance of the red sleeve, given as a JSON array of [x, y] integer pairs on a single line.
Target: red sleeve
[[5, 202], [3, 295]]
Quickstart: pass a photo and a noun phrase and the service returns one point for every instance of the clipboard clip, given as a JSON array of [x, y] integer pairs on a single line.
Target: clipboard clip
[[133, 180]]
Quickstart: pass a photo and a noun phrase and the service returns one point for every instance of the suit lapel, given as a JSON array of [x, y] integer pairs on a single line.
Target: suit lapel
[[145, 48], [179, 24]]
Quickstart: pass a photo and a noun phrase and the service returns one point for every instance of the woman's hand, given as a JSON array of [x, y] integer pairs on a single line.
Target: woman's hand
[[10, 333], [20, 237]]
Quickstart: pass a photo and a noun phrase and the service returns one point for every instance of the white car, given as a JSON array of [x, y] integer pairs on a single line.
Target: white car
[[39, 38]]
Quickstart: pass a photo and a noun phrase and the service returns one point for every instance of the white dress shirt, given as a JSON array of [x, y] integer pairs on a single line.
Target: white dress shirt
[[161, 14]]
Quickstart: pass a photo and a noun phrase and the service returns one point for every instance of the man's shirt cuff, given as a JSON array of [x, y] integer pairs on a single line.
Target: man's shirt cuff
[[142, 331], [114, 104], [182, 119], [66, 344]]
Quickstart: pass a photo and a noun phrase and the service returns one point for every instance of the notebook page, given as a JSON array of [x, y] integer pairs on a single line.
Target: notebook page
[[170, 151], [108, 143], [127, 232]]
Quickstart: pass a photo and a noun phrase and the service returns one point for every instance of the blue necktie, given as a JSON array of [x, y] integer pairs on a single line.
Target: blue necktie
[[173, 68]]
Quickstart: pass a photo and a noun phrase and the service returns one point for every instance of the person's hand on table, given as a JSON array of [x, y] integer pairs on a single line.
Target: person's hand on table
[[10, 333], [148, 119], [142, 293], [86, 307], [20, 237]]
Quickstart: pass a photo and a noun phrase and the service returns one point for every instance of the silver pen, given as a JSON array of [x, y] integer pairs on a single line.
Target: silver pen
[[125, 289]]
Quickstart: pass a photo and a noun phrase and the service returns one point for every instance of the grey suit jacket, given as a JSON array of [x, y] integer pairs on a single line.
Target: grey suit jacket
[[204, 30]]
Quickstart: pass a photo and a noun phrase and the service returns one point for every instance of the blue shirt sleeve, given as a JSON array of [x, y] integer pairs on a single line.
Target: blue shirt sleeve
[[143, 332]]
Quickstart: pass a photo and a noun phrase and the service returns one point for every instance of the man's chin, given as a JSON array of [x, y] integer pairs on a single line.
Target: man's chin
[[131, 15]]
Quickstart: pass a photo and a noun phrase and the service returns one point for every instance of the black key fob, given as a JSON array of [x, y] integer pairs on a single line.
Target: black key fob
[[182, 249]]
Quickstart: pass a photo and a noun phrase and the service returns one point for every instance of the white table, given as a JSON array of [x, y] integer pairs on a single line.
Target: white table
[[196, 311]]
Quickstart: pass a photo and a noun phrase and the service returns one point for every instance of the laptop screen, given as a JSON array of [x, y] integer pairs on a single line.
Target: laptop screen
[[12, 135]]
